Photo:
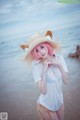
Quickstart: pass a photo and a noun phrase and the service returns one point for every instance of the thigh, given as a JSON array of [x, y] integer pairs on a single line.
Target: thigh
[[46, 114], [53, 116], [43, 112], [60, 113]]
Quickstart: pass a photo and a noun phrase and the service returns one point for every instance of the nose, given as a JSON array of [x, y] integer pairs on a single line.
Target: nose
[[41, 51]]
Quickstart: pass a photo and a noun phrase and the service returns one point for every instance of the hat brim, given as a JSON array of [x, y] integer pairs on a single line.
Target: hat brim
[[55, 46]]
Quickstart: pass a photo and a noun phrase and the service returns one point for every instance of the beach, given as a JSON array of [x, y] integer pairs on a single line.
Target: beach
[[18, 91], [19, 20], [19, 94]]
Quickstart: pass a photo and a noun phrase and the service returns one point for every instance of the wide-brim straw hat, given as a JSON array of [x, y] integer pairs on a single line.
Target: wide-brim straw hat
[[35, 40]]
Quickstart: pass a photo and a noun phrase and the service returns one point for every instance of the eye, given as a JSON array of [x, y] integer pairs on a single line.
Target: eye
[[42, 47], [53, 55], [36, 50]]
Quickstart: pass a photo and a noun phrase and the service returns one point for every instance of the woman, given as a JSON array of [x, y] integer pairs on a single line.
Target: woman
[[49, 70]]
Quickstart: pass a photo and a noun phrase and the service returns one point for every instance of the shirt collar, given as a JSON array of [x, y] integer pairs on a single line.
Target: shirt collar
[[35, 62]]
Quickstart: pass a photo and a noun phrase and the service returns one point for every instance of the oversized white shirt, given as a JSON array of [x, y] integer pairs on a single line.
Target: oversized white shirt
[[53, 99]]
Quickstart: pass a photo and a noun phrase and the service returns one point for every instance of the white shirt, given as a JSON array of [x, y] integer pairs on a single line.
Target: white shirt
[[53, 99]]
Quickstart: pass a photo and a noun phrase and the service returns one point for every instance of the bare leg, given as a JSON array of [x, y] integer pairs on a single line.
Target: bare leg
[[42, 113], [60, 113], [54, 116], [46, 114]]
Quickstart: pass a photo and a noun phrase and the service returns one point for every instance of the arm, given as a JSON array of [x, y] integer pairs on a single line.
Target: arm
[[64, 74], [59, 65], [62, 67], [42, 83]]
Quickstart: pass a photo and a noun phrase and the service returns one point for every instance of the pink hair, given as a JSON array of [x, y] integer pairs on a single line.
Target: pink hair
[[45, 44]]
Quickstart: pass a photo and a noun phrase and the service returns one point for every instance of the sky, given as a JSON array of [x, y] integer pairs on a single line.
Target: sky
[[20, 18]]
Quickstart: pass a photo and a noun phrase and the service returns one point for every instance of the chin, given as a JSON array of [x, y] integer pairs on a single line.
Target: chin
[[44, 57]]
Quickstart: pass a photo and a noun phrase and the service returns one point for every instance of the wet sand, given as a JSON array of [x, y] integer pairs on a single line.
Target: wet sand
[[18, 92]]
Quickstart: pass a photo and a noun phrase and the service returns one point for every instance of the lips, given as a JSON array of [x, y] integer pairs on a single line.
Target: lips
[[43, 55]]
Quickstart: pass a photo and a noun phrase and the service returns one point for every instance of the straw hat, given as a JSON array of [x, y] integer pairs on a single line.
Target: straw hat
[[37, 39]]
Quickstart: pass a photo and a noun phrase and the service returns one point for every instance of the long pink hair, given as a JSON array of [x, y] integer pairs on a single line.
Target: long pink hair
[[44, 44]]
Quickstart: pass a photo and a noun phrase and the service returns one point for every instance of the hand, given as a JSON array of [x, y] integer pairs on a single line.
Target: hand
[[50, 62], [54, 62], [45, 66]]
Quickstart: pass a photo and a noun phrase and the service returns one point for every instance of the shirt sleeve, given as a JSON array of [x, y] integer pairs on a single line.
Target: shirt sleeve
[[64, 64], [36, 73]]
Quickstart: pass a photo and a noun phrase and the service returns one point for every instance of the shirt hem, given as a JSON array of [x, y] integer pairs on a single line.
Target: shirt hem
[[49, 108]]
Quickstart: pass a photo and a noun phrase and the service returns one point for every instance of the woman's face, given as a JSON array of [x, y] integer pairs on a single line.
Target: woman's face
[[42, 51]]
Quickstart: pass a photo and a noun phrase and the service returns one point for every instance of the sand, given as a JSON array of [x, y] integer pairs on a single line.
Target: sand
[[19, 94]]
